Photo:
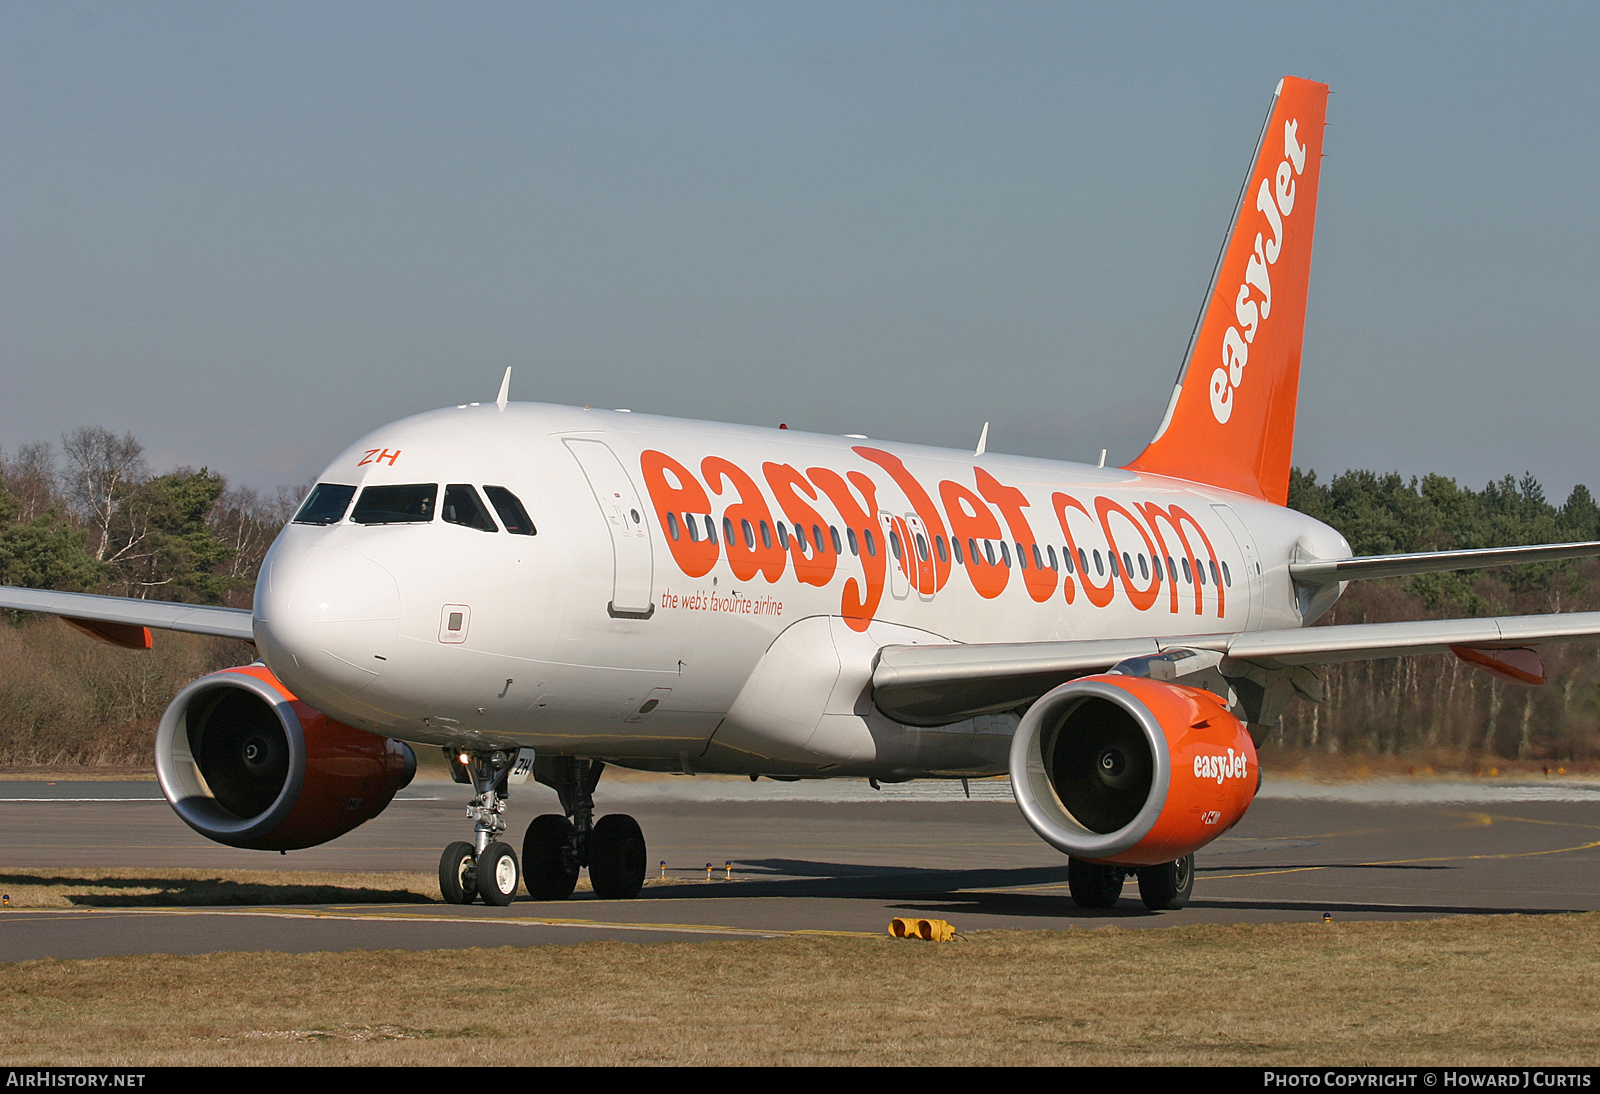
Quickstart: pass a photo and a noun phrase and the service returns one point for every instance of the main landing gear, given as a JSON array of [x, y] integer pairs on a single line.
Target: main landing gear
[[1166, 887], [555, 847]]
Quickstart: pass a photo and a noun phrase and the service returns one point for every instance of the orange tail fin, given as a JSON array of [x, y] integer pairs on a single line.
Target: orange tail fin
[[1231, 419]]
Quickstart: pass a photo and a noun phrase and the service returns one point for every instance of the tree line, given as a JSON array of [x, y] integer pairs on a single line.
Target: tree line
[[88, 515], [93, 518], [1436, 709]]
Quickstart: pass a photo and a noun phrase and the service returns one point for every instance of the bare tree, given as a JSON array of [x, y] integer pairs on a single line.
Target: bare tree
[[248, 521], [102, 470], [30, 478]]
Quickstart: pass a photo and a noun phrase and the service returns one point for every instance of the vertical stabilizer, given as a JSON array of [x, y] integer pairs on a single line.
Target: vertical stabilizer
[[1231, 419]]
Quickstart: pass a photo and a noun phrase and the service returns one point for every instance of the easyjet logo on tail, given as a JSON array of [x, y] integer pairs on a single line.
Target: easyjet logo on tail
[[1274, 201]]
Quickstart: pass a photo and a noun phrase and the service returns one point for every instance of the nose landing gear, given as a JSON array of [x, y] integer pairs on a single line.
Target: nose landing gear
[[486, 867]]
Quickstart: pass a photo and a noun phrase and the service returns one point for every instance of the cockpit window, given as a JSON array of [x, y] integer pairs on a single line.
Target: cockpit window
[[396, 504], [461, 506], [326, 505], [512, 514]]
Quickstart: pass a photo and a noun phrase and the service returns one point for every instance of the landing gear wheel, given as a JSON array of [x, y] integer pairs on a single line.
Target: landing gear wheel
[[498, 874], [458, 868], [546, 869], [1167, 887], [617, 858], [1093, 885]]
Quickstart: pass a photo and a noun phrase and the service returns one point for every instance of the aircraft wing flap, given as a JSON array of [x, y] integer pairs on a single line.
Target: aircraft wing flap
[[128, 611]]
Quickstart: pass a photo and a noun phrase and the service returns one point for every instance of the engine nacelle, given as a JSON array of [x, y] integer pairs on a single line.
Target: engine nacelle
[[1133, 771], [245, 763]]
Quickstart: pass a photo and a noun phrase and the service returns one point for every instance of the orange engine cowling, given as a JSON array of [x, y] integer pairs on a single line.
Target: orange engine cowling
[[247, 764], [1127, 770]]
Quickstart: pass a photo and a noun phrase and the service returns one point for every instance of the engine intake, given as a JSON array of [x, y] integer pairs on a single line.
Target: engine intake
[[1132, 771], [245, 763]]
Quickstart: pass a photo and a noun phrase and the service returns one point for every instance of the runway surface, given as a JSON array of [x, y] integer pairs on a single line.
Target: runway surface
[[820, 858]]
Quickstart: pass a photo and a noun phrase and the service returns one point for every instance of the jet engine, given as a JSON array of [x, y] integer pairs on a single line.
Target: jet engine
[[245, 763], [1131, 771]]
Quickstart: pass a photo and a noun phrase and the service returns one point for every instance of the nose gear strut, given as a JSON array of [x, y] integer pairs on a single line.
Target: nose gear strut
[[486, 867]]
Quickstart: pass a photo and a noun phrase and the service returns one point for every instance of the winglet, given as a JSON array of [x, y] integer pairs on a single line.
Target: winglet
[[505, 389], [983, 440], [1231, 419]]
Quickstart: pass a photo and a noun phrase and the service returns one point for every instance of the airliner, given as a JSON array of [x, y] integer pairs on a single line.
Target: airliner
[[544, 591]]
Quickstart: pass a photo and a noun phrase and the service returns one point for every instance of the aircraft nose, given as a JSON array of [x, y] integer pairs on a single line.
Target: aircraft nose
[[329, 617]]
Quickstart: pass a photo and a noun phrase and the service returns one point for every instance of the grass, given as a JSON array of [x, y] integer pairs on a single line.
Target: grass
[[1508, 990], [125, 887]]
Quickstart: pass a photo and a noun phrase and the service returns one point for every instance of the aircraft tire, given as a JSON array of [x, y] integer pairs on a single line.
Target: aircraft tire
[[458, 868], [1167, 887], [617, 857], [1092, 884], [498, 874], [545, 868]]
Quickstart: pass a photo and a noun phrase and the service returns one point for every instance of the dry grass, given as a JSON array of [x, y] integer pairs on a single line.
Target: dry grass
[[126, 887], [1506, 990]]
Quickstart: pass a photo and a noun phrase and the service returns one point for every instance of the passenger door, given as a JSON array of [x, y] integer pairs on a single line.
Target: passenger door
[[632, 587]]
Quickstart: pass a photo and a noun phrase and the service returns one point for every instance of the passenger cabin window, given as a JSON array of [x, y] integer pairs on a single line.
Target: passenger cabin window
[[512, 515], [412, 504], [463, 506], [326, 505]]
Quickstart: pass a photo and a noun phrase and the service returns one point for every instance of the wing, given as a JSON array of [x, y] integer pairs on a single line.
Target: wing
[[937, 685], [125, 621]]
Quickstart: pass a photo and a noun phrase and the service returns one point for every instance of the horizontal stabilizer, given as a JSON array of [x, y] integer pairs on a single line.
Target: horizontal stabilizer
[[1328, 571]]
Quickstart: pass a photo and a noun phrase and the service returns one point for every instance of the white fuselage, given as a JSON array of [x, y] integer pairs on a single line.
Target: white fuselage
[[603, 636]]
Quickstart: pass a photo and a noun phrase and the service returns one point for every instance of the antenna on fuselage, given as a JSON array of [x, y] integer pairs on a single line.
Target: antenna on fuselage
[[505, 389], [983, 440]]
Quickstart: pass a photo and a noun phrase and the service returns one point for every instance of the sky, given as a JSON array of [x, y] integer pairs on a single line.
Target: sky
[[249, 233]]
